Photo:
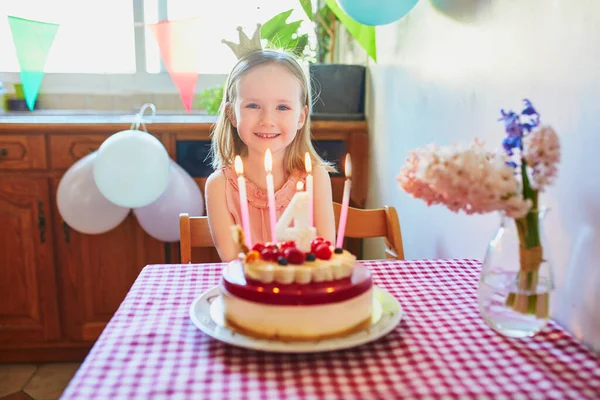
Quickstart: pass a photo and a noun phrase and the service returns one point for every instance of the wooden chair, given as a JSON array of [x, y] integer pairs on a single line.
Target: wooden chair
[[193, 232], [378, 222]]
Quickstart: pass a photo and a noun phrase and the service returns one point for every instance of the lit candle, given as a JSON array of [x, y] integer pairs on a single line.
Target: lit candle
[[271, 193], [345, 202], [239, 170], [309, 189]]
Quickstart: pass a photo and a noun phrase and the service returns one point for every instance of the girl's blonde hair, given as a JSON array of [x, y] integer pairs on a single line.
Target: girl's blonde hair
[[226, 142]]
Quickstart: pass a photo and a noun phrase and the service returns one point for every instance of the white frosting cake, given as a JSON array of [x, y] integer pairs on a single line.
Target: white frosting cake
[[306, 322], [315, 299]]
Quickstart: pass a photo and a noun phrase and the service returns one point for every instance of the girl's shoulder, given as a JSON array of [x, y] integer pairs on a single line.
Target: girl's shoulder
[[219, 177], [320, 172]]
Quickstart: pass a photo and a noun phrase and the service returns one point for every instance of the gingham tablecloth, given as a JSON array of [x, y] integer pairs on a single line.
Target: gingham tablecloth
[[441, 349]]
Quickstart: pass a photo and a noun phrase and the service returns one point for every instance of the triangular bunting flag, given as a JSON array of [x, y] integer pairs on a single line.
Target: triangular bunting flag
[[33, 40], [179, 45]]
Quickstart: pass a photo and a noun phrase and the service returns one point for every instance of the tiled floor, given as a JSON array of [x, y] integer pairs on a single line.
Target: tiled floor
[[35, 381]]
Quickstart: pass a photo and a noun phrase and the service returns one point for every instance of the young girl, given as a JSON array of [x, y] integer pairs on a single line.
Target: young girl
[[265, 106]]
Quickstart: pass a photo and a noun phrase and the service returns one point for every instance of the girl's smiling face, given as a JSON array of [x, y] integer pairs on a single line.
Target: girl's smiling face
[[268, 110]]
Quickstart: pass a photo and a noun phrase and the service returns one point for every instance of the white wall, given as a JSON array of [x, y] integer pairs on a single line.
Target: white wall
[[443, 77]]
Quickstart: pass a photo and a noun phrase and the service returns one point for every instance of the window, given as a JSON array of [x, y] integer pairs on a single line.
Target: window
[[105, 46], [94, 37]]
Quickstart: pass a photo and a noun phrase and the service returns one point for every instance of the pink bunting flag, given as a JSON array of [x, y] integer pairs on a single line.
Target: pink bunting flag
[[179, 45]]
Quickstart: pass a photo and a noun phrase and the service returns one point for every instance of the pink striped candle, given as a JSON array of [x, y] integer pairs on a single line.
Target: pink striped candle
[[309, 189], [345, 202], [239, 170], [271, 193]]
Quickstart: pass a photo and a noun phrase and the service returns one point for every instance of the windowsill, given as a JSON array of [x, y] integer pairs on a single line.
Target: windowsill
[[101, 116]]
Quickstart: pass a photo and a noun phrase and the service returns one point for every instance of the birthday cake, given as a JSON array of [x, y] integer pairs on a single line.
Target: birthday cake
[[298, 286], [279, 291]]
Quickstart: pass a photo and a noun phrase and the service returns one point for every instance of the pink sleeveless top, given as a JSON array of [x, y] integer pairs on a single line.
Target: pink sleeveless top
[[258, 204]]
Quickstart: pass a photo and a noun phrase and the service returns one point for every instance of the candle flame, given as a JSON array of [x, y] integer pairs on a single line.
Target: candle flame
[[307, 163], [348, 167], [299, 186], [239, 166], [268, 161]]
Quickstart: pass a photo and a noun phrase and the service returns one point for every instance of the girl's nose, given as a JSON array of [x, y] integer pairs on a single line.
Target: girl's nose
[[266, 118]]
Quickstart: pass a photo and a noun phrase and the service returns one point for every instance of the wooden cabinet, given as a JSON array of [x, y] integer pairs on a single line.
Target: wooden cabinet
[[19, 152], [59, 287], [28, 301], [96, 272], [65, 149]]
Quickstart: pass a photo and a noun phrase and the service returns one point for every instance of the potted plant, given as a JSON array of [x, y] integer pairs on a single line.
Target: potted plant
[[338, 89], [279, 34]]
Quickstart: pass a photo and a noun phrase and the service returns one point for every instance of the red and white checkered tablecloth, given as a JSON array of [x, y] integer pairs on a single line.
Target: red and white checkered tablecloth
[[441, 349]]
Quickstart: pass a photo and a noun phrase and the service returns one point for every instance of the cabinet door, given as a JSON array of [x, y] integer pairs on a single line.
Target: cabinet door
[[28, 305], [97, 271]]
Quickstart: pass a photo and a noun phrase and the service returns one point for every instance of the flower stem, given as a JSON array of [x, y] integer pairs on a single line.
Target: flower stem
[[529, 242]]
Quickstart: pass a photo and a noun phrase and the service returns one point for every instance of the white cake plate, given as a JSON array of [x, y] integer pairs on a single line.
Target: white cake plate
[[206, 312]]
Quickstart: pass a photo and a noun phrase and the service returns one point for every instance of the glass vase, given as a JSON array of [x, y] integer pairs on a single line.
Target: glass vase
[[517, 277]]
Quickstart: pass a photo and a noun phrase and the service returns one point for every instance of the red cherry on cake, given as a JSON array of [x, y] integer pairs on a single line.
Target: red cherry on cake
[[293, 255], [258, 247], [270, 253], [288, 244], [315, 242], [318, 241], [323, 252]]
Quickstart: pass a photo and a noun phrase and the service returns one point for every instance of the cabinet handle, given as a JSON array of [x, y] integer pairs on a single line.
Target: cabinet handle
[[41, 222], [91, 150], [3, 152], [67, 232]]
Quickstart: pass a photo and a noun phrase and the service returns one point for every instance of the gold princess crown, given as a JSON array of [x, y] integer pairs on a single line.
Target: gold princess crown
[[246, 45]]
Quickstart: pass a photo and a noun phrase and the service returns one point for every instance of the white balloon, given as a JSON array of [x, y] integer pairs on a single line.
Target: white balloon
[[132, 168], [161, 218], [80, 203]]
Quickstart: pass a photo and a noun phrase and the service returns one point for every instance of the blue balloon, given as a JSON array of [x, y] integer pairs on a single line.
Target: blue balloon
[[376, 12]]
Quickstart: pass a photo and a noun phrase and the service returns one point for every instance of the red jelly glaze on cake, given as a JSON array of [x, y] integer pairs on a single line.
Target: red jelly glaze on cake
[[234, 281]]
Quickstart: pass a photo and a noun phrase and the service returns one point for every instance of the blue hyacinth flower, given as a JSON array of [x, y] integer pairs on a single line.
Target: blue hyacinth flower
[[511, 142]]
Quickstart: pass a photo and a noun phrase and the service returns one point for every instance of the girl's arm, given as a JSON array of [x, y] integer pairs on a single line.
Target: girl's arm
[[323, 204], [219, 218]]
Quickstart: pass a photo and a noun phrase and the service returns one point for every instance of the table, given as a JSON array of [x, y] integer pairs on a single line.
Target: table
[[441, 349]]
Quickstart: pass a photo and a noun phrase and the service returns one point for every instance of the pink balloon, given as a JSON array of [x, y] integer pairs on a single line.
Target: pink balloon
[[80, 203], [160, 219]]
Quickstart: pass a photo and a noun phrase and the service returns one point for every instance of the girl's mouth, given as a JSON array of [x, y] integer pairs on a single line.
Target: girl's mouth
[[266, 135]]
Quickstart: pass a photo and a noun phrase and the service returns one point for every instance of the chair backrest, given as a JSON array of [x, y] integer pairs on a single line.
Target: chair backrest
[[193, 232], [378, 222]]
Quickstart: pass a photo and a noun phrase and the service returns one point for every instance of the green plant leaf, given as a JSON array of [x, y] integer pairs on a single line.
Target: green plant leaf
[[364, 34], [210, 99], [301, 44], [307, 7], [272, 26], [283, 35]]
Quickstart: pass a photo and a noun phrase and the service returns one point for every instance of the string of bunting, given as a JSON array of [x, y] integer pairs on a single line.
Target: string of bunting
[[178, 42], [33, 42]]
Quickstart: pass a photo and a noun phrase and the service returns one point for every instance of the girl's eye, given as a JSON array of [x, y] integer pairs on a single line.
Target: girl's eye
[[252, 105], [282, 108]]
